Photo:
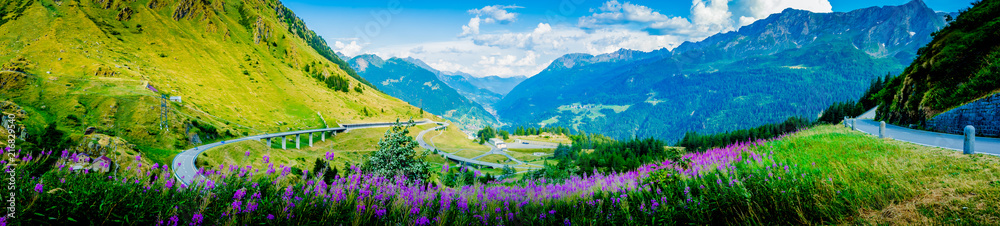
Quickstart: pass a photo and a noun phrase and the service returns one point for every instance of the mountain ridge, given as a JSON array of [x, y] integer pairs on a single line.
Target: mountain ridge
[[620, 91], [414, 83]]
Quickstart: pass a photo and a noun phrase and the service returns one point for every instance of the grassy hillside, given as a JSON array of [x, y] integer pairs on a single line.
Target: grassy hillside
[[960, 65], [241, 67]]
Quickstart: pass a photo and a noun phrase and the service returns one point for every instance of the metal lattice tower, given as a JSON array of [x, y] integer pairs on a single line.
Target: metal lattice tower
[[163, 113]]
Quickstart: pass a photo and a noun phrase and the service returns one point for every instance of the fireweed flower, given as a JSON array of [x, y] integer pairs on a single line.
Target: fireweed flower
[[329, 156], [239, 194], [251, 207], [196, 219], [423, 221], [38, 188], [236, 205]]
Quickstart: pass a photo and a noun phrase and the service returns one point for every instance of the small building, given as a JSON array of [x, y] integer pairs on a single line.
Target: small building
[[498, 143], [175, 99]]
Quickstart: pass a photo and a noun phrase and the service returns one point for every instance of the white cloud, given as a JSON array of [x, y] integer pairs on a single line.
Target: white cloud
[[480, 50], [543, 36], [442, 65], [713, 15], [745, 20], [542, 28], [492, 14], [349, 49], [472, 28], [760, 9], [496, 13], [708, 17]]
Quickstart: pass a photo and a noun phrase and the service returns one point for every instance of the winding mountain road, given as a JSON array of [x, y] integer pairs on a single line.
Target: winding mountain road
[[984, 145], [420, 140], [186, 172]]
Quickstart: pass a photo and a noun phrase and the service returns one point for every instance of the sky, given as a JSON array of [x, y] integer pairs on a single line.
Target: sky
[[520, 38]]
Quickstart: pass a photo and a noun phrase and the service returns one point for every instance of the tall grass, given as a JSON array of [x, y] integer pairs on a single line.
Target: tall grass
[[818, 176]]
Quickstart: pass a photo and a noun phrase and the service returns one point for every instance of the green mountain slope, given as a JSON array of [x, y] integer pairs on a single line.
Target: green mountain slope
[[793, 63], [961, 64], [462, 83], [241, 67], [421, 87]]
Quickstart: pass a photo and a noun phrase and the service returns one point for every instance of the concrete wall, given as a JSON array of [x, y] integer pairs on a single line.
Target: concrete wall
[[984, 114]]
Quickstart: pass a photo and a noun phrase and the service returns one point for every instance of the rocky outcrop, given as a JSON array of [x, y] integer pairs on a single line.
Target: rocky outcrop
[[103, 71], [189, 8], [105, 4], [184, 8], [156, 4], [125, 14], [261, 31]]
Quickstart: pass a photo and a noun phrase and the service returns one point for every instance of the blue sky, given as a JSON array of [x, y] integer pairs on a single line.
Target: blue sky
[[509, 38]]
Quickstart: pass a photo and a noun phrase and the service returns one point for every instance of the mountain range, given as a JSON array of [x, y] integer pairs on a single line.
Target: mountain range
[[793, 63], [486, 91], [414, 83]]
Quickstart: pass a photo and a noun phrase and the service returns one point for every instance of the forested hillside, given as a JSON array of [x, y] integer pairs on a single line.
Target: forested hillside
[[961, 64]]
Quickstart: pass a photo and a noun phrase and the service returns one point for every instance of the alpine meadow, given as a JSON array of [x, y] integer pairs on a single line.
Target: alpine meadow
[[419, 112]]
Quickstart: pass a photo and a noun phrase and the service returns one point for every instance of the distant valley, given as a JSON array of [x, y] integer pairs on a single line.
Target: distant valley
[[421, 87]]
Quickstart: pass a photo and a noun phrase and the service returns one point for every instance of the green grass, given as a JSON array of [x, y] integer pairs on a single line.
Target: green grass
[[545, 137], [451, 139], [494, 159], [856, 179], [891, 181]]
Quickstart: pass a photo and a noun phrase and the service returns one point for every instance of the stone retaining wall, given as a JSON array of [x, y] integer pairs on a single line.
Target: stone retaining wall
[[984, 114]]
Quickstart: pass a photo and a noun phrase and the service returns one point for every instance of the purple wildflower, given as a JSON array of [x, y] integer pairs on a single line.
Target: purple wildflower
[[196, 219], [330, 156], [239, 194]]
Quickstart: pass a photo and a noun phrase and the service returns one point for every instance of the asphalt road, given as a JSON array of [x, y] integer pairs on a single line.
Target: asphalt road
[[420, 140], [942, 140], [520, 144], [186, 172]]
